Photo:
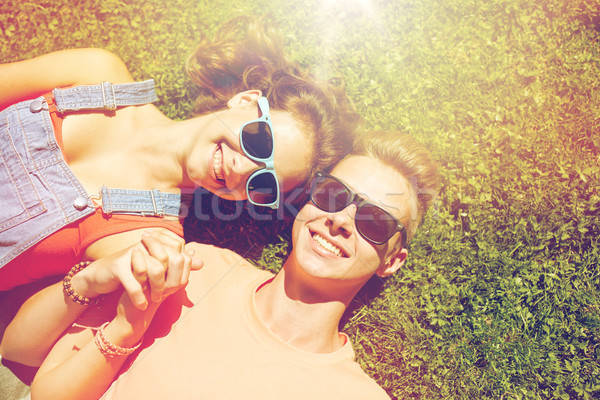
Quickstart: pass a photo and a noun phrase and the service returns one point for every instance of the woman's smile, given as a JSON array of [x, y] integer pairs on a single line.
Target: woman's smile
[[217, 164]]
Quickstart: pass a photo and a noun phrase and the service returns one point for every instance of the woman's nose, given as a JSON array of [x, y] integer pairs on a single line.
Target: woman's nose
[[241, 169]]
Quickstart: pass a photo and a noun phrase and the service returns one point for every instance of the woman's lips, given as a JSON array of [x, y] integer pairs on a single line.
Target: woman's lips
[[217, 164]]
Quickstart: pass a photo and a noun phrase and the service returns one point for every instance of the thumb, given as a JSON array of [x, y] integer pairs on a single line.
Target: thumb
[[197, 263]]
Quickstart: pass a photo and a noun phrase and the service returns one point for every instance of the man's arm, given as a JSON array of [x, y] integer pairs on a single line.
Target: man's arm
[[76, 368], [44, 316]]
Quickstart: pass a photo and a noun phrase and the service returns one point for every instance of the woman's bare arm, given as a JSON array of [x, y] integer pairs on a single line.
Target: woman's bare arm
[[27, 79], [46, 315]]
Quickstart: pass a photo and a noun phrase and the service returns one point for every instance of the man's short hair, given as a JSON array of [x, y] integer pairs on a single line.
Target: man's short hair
[[403, 153]]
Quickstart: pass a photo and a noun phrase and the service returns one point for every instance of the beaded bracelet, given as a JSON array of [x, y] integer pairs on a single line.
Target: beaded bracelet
[[68, 290], [109, 349]]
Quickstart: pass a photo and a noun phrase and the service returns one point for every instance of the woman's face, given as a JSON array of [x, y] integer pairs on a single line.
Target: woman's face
[[218, 163]]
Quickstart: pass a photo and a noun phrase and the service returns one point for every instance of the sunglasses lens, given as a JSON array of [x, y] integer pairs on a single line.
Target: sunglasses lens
[[330, 195], [257, 140], [262, 188], [374, 223]]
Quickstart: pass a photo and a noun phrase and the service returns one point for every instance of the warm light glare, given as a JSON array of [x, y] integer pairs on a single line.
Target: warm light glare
[[363, 6]]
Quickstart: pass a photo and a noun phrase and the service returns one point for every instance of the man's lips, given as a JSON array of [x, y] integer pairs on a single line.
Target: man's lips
[[327, 245]]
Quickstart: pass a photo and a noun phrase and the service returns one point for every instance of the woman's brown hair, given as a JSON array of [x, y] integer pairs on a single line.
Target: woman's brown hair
[[247, 53]]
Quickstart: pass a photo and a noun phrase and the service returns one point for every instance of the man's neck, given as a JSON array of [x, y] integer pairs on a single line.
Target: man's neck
[[298, 316]]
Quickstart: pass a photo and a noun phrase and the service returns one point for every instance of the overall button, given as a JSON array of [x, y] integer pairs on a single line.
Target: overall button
[[36, 105], [80, 203]]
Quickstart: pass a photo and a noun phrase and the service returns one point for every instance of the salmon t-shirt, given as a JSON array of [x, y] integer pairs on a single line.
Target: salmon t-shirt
[[208, 342]]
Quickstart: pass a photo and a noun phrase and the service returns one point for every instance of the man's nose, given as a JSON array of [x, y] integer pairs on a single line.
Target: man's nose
[[343, 220]]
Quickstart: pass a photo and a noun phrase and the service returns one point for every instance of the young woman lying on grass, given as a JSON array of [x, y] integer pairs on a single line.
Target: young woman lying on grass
[[86, 168]]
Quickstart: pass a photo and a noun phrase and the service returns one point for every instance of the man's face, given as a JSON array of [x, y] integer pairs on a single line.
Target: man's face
[[327, 246]]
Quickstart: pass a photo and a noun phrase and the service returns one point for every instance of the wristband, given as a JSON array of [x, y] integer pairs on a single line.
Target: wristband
[[109, 349], [68, 290]]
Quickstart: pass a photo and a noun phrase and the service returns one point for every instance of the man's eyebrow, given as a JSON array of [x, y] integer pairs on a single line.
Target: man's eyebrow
[[386, 206]]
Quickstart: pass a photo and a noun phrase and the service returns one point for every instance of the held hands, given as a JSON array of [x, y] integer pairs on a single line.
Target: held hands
[[148, 271], [159, 268]]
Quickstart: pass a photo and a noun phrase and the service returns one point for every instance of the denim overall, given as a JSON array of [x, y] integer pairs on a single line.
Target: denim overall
[[39, 194]]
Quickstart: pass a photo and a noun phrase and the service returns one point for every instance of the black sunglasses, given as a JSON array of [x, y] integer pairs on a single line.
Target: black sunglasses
[[372, 222], [257, 142]]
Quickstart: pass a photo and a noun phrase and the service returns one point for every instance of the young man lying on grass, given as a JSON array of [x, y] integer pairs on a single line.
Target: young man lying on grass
[[230, 330]]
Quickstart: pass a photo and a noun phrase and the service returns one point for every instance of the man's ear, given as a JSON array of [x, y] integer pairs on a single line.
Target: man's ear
[[243, 98], [393, 263]]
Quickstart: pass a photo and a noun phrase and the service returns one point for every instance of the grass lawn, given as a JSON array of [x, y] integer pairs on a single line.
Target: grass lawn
[[500, 297]]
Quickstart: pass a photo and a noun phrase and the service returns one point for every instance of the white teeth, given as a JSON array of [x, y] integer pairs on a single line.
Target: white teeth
[[218, 164], [327, 245]]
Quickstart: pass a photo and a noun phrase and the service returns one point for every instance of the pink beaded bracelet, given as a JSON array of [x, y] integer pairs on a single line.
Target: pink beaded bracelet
[[109, 349]]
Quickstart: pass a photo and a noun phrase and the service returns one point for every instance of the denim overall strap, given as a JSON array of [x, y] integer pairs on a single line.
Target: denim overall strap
[[144, 202], [39, 193], [104, 96]]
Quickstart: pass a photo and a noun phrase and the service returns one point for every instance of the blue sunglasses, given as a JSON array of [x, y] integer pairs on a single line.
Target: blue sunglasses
[[258, 143]]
